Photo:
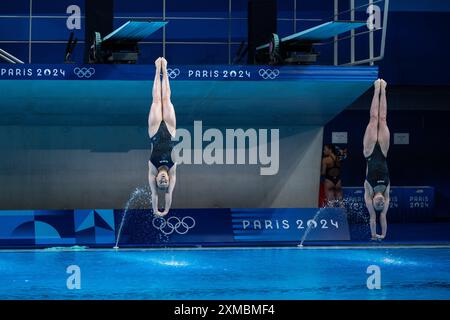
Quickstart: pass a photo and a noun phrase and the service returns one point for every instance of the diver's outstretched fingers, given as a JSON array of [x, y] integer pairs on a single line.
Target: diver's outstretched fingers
[[160, 214]]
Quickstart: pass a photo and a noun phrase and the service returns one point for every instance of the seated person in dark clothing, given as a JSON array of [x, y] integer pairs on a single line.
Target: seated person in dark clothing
[[331, 174]]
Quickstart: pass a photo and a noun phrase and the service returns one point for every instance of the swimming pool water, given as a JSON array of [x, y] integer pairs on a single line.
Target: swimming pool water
[[244, 273]]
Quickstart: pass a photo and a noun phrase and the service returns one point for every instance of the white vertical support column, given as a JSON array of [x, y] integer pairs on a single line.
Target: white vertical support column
[[229, 32], [164, 29], [371, 38], [30, 31], [336, 47], [352, 32]]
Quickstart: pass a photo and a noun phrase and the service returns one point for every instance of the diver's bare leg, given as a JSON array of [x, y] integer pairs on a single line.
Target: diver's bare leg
[[338, 192], [371, 134], [329, 191], [383, 130], [168, 109], [155, 114]]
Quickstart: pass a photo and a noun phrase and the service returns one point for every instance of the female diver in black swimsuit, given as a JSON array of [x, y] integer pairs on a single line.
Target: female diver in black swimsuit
[[161, 129], [376, 146]]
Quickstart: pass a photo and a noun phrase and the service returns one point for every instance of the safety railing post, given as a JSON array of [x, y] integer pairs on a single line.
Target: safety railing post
[[352, 39], [30, 31], [336, 38], [371, 38]]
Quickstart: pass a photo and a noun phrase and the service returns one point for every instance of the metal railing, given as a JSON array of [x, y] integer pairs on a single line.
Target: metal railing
[[353, 35], [9, 57]]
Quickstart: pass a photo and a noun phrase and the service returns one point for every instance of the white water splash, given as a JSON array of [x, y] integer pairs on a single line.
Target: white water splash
[[174, 263], [398, 261], [310, 225], [329, 204], [140, 198]]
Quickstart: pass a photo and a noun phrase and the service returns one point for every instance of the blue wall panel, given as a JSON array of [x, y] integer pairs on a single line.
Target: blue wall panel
[[416, 52], [420, 5], [55, 8], [54, 30], [238, 30], [14, 29], [53, 52], [16, 7], [197, 30], [285, 9], [183, 8], [133, 8], [285, 27], [149, 52], [192, 53]]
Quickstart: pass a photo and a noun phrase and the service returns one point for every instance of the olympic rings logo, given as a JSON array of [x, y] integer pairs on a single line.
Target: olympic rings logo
[[173, 224], [84, 72], [269, 73], [173, 73]]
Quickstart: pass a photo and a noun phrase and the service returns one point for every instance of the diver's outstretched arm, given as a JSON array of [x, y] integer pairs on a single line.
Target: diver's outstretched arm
[[153, 188], [383, 214], [169, 193], [373, 216]]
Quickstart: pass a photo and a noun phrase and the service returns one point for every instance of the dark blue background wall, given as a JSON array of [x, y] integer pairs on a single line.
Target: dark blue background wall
[[206, 32]]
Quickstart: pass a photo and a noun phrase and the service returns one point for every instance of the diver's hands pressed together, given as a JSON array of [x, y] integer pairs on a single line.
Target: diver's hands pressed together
[[159, 213], [162, 214]]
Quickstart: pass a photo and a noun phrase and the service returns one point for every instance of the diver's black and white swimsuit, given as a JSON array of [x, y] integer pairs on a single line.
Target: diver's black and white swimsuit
[[377, 170], [162, 146], [334, 173]]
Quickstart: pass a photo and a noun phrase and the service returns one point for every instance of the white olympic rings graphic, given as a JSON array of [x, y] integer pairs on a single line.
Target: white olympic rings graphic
[[84, 72], [173, 73], [172, 224], [269, 73]]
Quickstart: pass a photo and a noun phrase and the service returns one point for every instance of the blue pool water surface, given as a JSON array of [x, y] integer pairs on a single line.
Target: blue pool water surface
[[245, 273]]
